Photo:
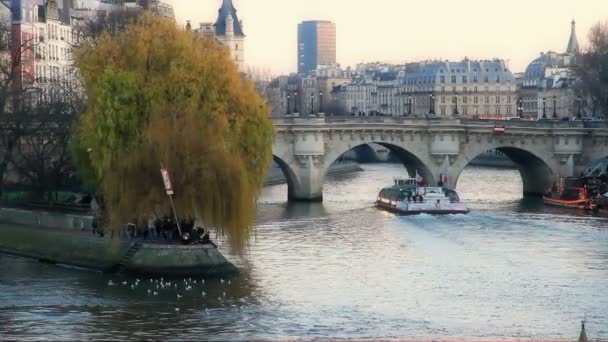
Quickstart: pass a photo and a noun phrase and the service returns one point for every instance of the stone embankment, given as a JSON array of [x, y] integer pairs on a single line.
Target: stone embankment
[[36, 235], [276, 176]]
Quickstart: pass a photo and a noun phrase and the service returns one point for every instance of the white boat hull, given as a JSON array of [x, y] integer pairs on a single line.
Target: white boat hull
[[411, 208]]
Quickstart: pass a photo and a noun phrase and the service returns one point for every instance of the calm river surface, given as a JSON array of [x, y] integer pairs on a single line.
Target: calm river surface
[[510, 269]]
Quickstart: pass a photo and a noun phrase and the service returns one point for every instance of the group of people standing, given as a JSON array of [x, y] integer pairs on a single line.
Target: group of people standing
[[162, 229]]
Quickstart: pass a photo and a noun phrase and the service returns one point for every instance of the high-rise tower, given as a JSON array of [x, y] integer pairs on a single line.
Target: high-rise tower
[[316, 45]]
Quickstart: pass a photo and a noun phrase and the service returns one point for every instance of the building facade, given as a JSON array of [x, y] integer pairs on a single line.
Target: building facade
[[446, 89], [548, 88], [44, 33], [316, 45]]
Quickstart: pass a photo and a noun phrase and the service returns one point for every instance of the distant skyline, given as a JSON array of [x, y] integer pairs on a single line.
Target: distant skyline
[[398, 31]]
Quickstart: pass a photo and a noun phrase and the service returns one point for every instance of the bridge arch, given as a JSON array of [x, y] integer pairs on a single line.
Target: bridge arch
[[537, 170], [412, 156], [293, 181]]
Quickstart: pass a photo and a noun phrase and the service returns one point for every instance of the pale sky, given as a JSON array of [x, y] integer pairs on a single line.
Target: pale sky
[[407, 30]]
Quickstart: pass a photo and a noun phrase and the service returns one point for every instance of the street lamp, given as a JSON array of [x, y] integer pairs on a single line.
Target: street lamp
[[320, 102], [580, 104], [288, 98], [431, 104], [456, 104], [295, 102], [409, 105], [554, 106], [520, 108], [544, 107], [312, 103]]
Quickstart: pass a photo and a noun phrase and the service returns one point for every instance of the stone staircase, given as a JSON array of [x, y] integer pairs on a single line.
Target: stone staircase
[[122, 264]]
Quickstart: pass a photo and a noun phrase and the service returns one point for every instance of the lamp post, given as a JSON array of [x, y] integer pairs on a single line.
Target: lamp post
[[295, 102], [580, 104], [554, 106], [520, 108], [312, 103], [544, 107], [409, 105], [431, 104], [288, 97], [320, 102], [456, 105]]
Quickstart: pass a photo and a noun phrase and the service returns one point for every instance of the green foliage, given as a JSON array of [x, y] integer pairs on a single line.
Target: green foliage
[[166, 96]]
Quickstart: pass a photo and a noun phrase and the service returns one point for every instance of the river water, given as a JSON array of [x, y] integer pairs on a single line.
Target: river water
[[342, 269]]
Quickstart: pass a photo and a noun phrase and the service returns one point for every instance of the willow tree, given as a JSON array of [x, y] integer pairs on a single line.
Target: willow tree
[[157, 94]]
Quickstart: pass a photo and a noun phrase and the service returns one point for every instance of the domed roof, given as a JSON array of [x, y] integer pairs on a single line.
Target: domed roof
[[536, 68]]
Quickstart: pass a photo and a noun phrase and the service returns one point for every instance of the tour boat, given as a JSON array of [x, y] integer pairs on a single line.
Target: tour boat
[[576, 193], [408, 196]]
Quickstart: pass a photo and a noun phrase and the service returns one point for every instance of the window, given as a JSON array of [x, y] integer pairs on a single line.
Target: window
[[453, 79], [487, 99], [443, 89], [464, 79], [475, 89], [442, 79], [474, 78], [236, 47], [487, 89], [509, 111], [497, 79], [487, 111], [443, 99], [442, 110], [475, 99], [464, 99], [508, 99], [465, 89], [497, 110], [497, 99], [485, 79]]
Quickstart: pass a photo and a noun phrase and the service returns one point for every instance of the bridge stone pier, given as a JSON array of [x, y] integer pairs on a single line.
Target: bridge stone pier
[[543, 151]]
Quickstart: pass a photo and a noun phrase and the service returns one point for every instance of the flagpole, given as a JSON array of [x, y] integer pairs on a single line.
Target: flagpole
[[170, 194]]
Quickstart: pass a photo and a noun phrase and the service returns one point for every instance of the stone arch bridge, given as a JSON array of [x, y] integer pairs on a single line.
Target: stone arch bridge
[[304, 148]]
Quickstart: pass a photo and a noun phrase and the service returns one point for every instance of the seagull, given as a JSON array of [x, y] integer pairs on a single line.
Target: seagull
[[229, 282], [222, 281], [204, 293], [175, 285], [111, 283], [195, 281], [155, 293], [132, 287], [124, 283], [188, 288], [223, 294], [179, 296], [202, 281], [149, 291], [219, 299], [176, 309]]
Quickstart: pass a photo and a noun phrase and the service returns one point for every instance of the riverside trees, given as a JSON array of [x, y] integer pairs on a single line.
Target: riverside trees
[[593, 70], [158, 94]]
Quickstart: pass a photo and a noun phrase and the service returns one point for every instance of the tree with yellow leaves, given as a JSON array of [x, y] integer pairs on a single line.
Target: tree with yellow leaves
[[157, 94]]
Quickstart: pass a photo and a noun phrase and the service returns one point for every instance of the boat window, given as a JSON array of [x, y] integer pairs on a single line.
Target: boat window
[[571, 194]]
